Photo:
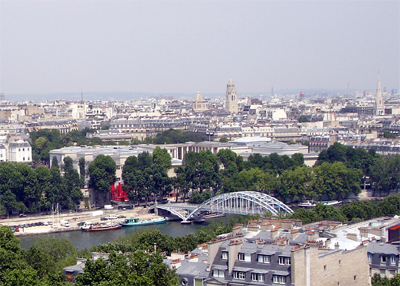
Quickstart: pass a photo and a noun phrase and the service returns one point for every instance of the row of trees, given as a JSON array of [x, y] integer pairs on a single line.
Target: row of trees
[[352, 212], [383, 171], [35, 190]]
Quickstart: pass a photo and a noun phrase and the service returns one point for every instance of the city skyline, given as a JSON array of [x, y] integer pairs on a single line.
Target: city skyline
[[167, 47]]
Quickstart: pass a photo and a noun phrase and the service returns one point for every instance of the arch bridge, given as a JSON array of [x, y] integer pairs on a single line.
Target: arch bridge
[[243, 203]]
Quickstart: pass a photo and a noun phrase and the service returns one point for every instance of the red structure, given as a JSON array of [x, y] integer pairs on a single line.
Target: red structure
[[118, 194]]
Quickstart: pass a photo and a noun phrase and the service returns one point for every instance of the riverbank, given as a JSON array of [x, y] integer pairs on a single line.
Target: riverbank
[[72, 218]]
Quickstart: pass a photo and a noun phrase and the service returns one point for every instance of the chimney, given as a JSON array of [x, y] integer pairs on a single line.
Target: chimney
[[295, 233], [337, 245], [274, 232], [213, 247], [260, 243], [233, 250]]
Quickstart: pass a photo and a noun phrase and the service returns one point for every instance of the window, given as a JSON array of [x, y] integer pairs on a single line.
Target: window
[[263, 258], [324, 267], [392, 260], [383, 259], [279, 279], [241, 256], [355, 277], [224, 255], [257, 277], [239, 275], [392, 272], [284, 260], [218, 273], [369, 257], [340, 262], [382, 272]]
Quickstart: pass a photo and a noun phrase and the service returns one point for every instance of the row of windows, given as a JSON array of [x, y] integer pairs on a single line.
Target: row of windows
[[260, 258], [23, 149], [384, 259], [240, 275]]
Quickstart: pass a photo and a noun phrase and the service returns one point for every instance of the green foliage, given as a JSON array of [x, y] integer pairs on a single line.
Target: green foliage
[[224, 139], [137, 268], [173, 136], [14, 270], [377, 280], [146, 175], [303, 119], [387, 134], [385, 173], [102, 173]]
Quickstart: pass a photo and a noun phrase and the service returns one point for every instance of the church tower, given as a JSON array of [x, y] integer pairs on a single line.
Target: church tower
[[379, 107], [231, 103]]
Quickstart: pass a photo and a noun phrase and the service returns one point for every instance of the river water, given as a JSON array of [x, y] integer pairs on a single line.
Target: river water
[[83, 239]]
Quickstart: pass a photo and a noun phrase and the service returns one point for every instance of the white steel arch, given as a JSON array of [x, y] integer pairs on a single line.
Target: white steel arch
[[236, 203]]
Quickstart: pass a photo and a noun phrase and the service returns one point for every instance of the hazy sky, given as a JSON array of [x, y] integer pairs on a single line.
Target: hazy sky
[[189, 46]]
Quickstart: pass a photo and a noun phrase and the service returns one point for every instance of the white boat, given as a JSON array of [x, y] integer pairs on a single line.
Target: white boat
[[307, 204], [331, 203]]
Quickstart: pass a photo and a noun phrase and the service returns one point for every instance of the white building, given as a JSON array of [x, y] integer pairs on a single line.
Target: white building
[[19, 151]]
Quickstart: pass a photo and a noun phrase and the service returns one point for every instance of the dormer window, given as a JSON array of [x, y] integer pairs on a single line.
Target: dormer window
[[241, 256], [264, 258], [224, 255], [244, 257], [284, 260]]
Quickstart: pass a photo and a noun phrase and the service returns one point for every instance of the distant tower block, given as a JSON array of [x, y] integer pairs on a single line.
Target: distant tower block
[[301, 96], [379, 107], [1, 96], [231, 104]]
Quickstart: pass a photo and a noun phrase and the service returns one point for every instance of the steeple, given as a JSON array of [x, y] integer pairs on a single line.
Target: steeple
[[231, 105], [379, 107]]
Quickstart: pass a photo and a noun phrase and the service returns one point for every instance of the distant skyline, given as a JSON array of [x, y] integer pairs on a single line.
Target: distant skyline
[[166, 47]]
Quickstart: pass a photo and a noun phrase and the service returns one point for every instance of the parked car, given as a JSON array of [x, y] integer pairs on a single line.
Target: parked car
[[103, 218], [22, 215], [3, 217], [121, 216]]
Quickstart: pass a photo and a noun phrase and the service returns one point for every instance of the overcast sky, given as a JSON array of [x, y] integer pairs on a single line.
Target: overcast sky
[[189, 46]]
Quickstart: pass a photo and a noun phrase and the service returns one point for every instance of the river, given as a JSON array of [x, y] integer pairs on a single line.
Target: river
[[83, 239]]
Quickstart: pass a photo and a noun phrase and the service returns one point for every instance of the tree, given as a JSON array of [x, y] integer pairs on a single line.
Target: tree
[[54, 162], [388, 134], [96, 141], [303, 119], [336, 180], [102, 173], [13, 268], [82, 171], [47, 255], [161, 157], [296, 184], [136, 268]]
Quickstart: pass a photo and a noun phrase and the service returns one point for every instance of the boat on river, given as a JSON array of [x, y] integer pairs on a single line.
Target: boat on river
[[100, 226], [307, 204], [332, 203], [135, 221]]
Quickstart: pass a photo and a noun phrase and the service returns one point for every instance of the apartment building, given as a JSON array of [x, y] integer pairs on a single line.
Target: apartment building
[[272, 252]]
